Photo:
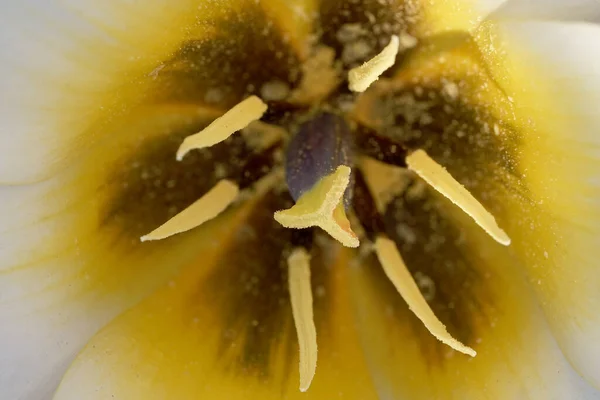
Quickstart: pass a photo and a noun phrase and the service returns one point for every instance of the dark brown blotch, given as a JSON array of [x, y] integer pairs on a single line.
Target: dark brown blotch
[[380, 147], [246, 51], [249, 291], [467, 139], [154, 186], [358, 30], [446, 267]]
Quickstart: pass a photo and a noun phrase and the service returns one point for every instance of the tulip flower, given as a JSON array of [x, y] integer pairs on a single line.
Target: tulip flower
[[317, 199]]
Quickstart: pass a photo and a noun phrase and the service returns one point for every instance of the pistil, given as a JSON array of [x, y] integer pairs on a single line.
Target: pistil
[[319, 177], [323, 206]]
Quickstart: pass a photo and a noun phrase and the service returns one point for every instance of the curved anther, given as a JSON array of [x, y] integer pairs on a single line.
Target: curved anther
[[360, 78], [398, 274], [302, 310], [204, 209], [238, 117], [437, 176]]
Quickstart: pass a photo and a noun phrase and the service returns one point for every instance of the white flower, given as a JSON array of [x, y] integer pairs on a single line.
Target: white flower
[[95, 97]]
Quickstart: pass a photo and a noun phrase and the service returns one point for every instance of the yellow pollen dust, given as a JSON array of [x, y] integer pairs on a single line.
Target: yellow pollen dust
[[323, 206], [437, 176], [302, 310], [361, 77], [204, 209], [400, 276], [237, 118]]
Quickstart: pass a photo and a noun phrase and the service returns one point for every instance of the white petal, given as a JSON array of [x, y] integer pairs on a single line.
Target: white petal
[[69, 264], [53, 300], [559, 10], [63, 65], [557, 229]]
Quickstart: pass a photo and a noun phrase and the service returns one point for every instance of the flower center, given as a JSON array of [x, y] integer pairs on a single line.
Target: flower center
[[323, 148]]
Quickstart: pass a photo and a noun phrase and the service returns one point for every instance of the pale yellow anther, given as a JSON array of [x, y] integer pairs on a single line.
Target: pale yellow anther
[[238, 117], [302, 310], [435, 175], [323, 206], [361, 77], [398, 274], [204, 209]]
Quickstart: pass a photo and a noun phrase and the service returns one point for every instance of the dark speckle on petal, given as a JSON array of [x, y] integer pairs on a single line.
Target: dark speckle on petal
[[245, 53], [358, 30]]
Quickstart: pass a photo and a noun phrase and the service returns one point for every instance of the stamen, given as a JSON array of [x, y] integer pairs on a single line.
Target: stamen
[[360, 78], [238, 117], [443, 182], [302, 310], [323, 206], [204, 209], [398, 274], [321, 144]]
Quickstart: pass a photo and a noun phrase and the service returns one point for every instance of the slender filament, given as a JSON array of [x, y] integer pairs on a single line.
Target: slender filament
[[435, 175], [323, 206], [302, 309], [361, 77], [238, 117], [398, 274], [204, 209]]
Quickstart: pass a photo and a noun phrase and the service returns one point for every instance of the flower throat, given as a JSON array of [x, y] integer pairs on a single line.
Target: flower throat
[[323, 150]]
